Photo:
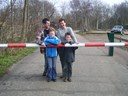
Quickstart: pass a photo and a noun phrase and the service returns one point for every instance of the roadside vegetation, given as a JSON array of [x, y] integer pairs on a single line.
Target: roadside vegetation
[[91, 32], [8, 59]]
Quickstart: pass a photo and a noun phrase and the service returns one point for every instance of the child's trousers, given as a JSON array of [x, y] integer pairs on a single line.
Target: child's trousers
[[51, 68], [67, 69]]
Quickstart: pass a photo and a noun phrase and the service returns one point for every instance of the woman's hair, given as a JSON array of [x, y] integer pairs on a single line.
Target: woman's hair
[[60, 20]]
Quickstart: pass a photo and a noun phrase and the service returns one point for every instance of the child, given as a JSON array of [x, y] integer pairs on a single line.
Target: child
[[69, 57], [51, 54]]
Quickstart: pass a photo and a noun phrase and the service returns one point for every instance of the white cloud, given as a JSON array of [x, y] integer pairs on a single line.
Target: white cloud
[[112, 2]]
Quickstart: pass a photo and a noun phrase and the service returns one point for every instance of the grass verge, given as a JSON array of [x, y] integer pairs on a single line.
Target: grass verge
[[8, 59], [90, 32]]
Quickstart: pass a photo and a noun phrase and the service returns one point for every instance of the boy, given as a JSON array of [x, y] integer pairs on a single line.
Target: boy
[[68, 57], [51, 54]]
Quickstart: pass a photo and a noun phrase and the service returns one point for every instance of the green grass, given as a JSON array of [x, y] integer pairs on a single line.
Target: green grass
[[81, 33], [8, 59], [89, 32]]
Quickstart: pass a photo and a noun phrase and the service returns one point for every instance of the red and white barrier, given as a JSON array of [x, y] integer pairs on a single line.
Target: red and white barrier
[[24, 45]]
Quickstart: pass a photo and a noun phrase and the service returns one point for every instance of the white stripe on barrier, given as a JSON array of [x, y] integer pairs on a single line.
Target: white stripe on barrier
[[3, 45], [114, 44], [75, 45], [32, 45]]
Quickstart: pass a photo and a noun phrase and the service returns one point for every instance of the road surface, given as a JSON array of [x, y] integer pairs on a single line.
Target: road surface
[[94, 74]]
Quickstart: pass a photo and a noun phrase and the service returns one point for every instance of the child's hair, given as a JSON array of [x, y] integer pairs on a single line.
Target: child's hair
[[52, 29], [68, 33]]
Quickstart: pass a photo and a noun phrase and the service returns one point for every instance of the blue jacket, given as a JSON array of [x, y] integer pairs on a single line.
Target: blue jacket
[[51, 52]]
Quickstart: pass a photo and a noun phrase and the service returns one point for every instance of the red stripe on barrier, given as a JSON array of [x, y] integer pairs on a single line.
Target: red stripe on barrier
[[126, 43], [17, 45], [59, 45], [94, 44]]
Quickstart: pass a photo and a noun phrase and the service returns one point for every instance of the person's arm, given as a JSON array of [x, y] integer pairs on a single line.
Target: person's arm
[[54, 40], [58, 33], [46, 41], [73, 35], [39, 37]]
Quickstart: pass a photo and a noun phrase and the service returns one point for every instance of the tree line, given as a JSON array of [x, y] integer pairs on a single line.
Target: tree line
[[20, 19], [94, 14]]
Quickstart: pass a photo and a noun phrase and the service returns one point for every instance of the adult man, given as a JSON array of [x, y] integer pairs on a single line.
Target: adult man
[[40, 37]]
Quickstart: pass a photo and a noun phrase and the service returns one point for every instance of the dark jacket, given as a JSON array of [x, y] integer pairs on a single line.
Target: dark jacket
[[69, 53]]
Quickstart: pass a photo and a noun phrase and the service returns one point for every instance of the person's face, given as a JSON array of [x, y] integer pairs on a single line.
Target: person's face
[[52, 34], [47, 25], [68, 38], [62, 24]]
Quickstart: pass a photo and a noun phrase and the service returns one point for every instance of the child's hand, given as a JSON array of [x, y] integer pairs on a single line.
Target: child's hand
[[43, 45], [60, 42], [70, 42]]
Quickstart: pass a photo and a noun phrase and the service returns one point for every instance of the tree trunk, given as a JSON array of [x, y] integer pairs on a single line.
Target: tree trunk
[[97, 24], [24, 26]]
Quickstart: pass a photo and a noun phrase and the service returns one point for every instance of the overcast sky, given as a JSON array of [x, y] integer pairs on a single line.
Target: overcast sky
[[59, 3], [110, 2]]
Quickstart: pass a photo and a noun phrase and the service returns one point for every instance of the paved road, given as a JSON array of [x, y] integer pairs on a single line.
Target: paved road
[[94, 74]]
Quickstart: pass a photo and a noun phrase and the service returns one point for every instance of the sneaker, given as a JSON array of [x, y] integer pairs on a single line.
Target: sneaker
[[48, 80], [65, 80], [69, 79], [54, 80], [61, 76], [44, 74]]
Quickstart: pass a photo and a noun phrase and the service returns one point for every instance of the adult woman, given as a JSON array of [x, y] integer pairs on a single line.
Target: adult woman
[[63, 29]]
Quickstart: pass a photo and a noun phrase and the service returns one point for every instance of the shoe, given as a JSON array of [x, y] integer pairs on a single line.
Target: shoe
[[69, 79], [54, 80], [65, 80], [61, 76], [44, 74], [48, 80]]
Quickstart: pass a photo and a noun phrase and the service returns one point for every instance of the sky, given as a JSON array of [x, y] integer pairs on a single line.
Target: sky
[[110, 2], [59, 3]]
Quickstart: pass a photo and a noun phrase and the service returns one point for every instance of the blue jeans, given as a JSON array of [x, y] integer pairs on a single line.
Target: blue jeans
[[51, 73], [45, 63]]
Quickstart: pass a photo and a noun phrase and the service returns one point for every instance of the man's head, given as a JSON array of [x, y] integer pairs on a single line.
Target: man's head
[[68, 37], [62, 23], [46, 23]]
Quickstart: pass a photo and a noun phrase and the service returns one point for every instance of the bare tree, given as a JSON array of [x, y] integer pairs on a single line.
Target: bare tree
[[25, 18], [75, 12]]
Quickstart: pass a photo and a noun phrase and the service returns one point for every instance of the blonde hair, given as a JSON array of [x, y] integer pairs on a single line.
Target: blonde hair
[[52, 29]]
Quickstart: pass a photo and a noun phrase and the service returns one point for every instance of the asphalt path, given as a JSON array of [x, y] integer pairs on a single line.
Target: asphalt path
[[94, 74]]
